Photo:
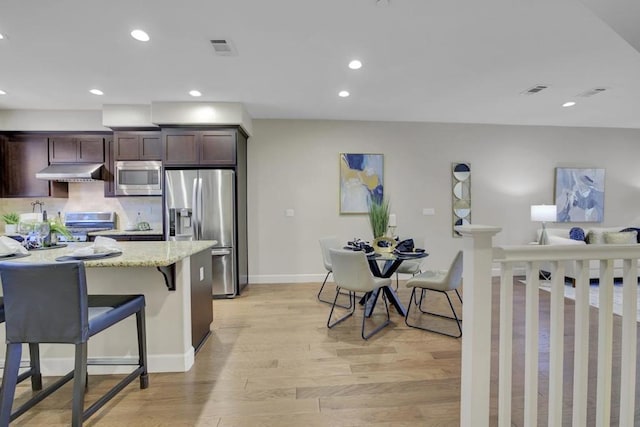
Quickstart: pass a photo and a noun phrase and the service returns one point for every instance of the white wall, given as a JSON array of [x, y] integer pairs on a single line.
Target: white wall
[[294, 164]]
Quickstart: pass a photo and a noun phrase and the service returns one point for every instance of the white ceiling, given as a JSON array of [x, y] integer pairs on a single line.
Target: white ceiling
[[424, 60]]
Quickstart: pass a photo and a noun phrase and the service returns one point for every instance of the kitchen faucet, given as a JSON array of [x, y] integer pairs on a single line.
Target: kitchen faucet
[[37, 203]]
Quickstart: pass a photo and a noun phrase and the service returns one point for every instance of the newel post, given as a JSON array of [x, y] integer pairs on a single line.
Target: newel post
[[476, 325]]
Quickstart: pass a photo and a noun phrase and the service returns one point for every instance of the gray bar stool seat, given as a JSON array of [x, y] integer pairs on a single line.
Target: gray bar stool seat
[[48, 303]]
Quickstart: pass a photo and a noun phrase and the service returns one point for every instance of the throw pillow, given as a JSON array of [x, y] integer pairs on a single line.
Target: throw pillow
[[637, 230], [621, 238], [595, 237], [577, 233]]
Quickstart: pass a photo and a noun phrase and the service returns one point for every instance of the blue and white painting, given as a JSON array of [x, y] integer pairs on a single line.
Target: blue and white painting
[[580, 195], [361, 180]]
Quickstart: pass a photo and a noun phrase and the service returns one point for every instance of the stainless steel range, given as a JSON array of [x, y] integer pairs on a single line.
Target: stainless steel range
[[81, 223]]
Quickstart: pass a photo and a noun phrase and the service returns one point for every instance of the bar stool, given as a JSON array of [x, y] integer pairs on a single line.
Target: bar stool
[[48, 303], [34, 360]]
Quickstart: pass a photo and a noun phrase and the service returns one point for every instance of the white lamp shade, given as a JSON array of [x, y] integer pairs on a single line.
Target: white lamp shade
[[543, 213]]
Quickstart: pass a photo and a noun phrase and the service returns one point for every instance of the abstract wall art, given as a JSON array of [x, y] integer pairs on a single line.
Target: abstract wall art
[[580, 195], [461, 195], [361, 180]]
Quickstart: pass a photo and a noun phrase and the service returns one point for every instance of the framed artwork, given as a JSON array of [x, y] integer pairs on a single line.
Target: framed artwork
[[580, 195], [461, 195], [361, 180]]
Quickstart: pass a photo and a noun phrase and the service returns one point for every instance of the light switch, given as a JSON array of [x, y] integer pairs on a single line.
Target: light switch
[[428, 211], [201, 274], [289, 212]]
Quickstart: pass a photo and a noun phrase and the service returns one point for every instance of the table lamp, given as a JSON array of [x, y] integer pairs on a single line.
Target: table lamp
[[543, 213]]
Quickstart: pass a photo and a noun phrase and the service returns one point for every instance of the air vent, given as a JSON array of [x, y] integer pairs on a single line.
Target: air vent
[[591, 92], [535, 89], [224, 47]]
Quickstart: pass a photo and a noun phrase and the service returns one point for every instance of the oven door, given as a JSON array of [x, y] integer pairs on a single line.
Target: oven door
[[139, 178]]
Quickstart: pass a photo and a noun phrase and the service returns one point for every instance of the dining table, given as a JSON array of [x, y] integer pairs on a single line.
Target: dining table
[[390, 262]]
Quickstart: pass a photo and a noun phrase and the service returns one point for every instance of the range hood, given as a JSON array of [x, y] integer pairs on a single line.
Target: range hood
[[72, 172]]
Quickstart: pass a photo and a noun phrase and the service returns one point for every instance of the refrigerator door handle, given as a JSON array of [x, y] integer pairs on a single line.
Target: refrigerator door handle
[[196, 213], [200, 209], [220, 252]]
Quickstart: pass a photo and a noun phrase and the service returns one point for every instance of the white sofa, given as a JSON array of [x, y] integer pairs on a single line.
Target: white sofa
[[594, 235]]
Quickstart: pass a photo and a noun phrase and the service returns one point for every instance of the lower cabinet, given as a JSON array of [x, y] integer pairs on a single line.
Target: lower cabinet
[[129, 237], [201, 297]]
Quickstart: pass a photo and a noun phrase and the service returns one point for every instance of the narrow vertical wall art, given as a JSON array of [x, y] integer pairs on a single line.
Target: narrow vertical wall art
[[461, 195]]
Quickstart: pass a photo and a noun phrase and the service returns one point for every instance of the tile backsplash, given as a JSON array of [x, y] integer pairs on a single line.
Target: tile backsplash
[[89, 196]]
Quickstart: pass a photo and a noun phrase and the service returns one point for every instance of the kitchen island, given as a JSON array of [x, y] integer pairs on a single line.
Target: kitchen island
[[176, 280]]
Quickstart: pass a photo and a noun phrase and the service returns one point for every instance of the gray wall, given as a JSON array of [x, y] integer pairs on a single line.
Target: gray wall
[[294, 164]]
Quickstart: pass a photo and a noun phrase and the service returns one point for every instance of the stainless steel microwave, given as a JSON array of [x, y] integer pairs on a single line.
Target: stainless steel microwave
[[139, 178]]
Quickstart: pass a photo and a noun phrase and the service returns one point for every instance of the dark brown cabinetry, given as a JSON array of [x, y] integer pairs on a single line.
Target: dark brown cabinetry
[[137, 146], [21, 157], [76, 149], [212, 147]]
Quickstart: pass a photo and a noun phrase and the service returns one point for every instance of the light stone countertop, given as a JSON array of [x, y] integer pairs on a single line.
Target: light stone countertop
[[134, 254]]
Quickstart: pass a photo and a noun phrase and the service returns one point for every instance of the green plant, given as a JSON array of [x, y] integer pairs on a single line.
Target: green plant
[[378, 216], [11, 218], [58, 228]]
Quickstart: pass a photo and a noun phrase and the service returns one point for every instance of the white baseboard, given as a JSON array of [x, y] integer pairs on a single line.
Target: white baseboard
[[287, 278], [318, 278]]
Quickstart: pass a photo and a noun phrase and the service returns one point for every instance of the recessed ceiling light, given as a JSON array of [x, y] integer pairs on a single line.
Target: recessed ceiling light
[[2, 92], [140, 35], [1, 36], [343, 94], [96, 92], [569, 104], [355, 64], [195, 93]]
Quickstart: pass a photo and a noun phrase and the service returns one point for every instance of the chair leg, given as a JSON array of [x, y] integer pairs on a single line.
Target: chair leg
[[376, 330], [79, 384], [414, 299], [9, 381], [352, 308], [142, 348], [34, 369], [348, 307]]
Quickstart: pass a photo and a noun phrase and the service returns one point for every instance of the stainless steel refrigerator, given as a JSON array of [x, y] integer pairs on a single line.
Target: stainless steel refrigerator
[[200, 205]]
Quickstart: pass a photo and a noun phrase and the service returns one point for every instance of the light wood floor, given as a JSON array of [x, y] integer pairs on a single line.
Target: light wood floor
[[271, 361]]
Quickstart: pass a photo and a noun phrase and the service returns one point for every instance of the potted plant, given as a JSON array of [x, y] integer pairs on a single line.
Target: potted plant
[[58, 228], [11, 220], [378, 216]]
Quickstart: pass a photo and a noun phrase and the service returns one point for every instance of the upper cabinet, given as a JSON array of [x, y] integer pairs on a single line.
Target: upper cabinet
[[211, 147], [76, 149], [139, 145], [21, 157]]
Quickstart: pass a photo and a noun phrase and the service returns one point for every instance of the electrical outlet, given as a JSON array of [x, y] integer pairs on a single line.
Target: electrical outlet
[[428, 211], [289, 212]]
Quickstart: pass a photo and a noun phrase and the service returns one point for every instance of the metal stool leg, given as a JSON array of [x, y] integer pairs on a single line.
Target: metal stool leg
[[142, 348], [79, 384], [34, 369], [9, 381]]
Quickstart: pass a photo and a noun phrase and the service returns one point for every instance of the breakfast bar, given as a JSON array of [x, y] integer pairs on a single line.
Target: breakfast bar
[[174, 276]]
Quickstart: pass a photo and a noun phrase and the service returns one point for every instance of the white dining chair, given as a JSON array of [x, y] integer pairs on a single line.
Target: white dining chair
[[442, 281], [411, 267], [352, 273], [326, 243]]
